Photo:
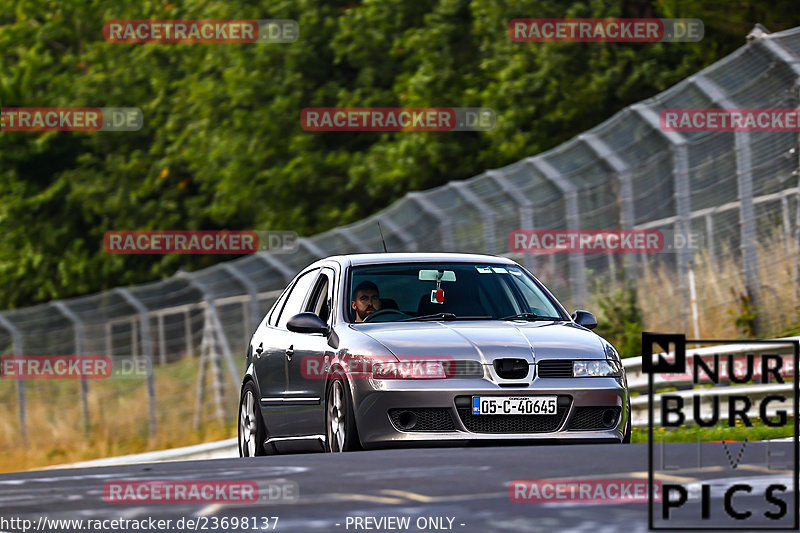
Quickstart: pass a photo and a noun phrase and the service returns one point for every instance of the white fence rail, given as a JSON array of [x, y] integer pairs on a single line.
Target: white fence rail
[[756, 391]]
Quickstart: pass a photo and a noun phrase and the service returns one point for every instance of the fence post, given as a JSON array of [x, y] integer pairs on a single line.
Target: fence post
[[212, 312], [787, 224], [80, 349], [252, 291], [683, 223], [489, 225], [744, 188], [311, 247], [16, 341], [797, 234], [680, 174], [272, 261], [525, 208], [162, 341], [626, 212], [187, 332], [577, 261], [147, 352], [109, 340], [357, 244], [710, 238], [427, 206]]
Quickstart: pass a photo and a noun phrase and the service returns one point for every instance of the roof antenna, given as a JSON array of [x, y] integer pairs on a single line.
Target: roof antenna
[[383, 241]]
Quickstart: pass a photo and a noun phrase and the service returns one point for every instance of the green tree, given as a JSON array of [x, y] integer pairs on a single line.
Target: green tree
[[222, 145]]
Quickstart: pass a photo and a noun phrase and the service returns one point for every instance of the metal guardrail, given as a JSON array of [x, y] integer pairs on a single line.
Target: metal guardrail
[[210, 450], [638, 381]]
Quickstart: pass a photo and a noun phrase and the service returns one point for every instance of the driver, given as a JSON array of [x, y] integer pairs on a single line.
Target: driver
[[365, 300]]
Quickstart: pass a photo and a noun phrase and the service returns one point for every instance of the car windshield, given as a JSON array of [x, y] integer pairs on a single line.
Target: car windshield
[[446, 291]]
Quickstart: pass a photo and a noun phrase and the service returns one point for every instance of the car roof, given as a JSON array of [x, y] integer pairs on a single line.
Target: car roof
[[383, 258]]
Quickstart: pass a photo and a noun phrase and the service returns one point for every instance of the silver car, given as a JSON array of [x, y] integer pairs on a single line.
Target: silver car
[[401, 349]]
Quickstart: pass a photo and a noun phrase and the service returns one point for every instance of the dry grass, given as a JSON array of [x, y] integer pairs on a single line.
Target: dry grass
[[720, 292], [119, 418]]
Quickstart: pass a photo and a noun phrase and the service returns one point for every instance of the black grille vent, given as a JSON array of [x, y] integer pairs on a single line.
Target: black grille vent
[[508, 368], [426, 419], [594, 418], [464, 369], [511, 423], [555, 368]]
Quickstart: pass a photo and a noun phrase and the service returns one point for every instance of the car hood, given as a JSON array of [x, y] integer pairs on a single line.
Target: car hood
[[487, 340]]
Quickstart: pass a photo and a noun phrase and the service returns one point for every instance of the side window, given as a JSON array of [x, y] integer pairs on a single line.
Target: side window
[[276, 309], [319, 304], [297, 296]]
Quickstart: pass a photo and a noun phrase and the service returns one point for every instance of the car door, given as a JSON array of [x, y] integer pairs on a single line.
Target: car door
[[306, 389], [269, 355]]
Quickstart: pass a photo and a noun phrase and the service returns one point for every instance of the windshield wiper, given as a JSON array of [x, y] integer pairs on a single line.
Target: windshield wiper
[[530, 316], [448, 316], [439, 316]]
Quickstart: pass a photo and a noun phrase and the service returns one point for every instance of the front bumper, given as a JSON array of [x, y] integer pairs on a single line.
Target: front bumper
[[444, 400]]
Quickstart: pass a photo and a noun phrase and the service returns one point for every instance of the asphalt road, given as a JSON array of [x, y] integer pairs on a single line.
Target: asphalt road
[[439, 489]]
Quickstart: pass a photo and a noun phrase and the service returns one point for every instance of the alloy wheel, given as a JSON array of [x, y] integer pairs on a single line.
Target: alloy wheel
[[247, 426]]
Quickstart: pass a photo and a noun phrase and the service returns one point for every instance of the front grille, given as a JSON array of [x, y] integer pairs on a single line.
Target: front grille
[[555, 368], [427, 419], [594, 418], [508, 368], [511, 423]]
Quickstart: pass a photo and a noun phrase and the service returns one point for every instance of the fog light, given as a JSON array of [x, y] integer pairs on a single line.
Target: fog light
[[406, 420], [609, 417]]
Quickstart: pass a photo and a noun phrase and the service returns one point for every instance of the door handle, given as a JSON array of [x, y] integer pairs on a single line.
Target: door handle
[[260, 350], [290, 352]]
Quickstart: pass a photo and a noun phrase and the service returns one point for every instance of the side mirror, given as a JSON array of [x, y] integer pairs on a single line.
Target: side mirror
[[585, 319], [307, 323]]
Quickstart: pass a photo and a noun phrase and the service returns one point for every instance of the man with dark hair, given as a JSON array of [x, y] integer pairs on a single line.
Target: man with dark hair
[[366, 300]]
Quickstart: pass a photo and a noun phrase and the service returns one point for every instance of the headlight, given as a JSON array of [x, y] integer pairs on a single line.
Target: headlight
[[410, 370], [596, 368]]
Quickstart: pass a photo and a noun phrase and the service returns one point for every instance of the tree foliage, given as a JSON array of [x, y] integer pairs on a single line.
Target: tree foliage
[[222, 145]]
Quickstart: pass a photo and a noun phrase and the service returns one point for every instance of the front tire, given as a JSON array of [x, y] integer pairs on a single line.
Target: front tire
[[251, 425], [340, 423]]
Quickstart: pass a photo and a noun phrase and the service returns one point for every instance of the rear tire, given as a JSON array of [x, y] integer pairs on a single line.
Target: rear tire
[[251, 424], [340, 422]]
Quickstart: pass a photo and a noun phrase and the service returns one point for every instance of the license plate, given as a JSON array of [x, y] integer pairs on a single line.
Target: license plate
[[514, 405]]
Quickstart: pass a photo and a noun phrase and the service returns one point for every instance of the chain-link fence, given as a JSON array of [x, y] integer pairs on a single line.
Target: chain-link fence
[[739, 191]]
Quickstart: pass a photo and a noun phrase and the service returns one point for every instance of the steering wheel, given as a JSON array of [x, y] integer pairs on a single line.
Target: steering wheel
[[383, 312]]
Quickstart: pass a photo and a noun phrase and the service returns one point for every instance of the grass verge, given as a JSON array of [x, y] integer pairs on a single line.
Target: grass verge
[[721, 431], [118, 415]]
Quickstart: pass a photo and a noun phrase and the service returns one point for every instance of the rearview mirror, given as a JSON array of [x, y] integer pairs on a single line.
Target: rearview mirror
[[585, 319], [437, 275], [307, 323]]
